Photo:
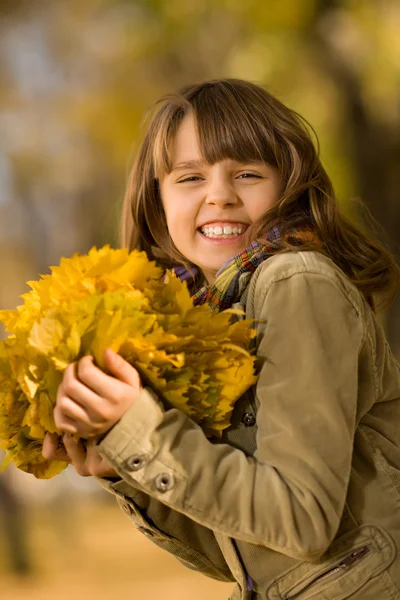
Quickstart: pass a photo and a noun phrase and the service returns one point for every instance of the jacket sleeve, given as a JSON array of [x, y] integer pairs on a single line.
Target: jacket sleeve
[[290, 495]]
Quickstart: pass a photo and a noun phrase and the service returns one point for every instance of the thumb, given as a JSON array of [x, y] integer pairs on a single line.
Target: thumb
[[121, 369]]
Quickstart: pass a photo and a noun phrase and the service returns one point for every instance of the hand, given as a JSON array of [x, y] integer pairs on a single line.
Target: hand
[[84, 458], [90, 402]]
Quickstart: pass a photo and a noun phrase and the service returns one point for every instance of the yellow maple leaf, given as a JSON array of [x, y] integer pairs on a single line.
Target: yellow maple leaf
[[197, 360]]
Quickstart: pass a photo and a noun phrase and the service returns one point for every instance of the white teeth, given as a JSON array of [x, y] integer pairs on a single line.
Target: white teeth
[[217, 231]]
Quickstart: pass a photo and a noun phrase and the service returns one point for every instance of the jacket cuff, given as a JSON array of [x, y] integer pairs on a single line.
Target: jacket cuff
[[132, 447]]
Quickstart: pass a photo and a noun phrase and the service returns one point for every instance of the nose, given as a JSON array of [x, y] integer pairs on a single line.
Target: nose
[[221, 192]]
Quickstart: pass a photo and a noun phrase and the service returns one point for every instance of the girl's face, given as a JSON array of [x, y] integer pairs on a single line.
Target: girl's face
[[209, 207]]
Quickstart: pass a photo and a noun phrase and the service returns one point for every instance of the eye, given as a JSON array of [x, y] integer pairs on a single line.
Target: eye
[[249, 175], [191, 178]]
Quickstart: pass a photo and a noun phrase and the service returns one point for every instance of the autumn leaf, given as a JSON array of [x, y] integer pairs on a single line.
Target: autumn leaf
[[197, 360]]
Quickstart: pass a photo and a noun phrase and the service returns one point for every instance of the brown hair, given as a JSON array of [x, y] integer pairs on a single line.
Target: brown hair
[[239, 120]]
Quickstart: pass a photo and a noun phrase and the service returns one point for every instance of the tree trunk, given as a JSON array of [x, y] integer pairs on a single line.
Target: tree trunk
[[375, 151]]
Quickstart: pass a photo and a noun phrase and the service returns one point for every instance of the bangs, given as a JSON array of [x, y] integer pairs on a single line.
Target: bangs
[[231, 124]]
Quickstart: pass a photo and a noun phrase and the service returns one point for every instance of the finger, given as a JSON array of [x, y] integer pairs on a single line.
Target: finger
[[93, 457], [69, 409], [101, 384], [53, 448], [72, 387], [103, 469], [111, 387], [77, 454], [121, 369], [64, 423], [68, 377], [72, 418], [96, 464]]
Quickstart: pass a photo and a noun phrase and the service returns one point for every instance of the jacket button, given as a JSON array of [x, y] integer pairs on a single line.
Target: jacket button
[[146, 531], [164, 482], [134, 463], [248, 419]]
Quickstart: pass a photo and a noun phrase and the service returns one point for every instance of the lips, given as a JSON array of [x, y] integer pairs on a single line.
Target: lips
[[227, 240]]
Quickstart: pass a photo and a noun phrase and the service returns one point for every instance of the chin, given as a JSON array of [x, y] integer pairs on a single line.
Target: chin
[[213, 268]]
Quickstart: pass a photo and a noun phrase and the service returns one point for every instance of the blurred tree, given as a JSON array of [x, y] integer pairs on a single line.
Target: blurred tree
[[360, 59], [77, 77], [12, 520]]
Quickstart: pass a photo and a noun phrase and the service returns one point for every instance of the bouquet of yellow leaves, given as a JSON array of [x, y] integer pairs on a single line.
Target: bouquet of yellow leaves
[[197, 360]]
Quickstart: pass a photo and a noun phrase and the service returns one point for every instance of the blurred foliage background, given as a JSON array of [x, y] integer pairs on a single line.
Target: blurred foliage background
[[75, 80]]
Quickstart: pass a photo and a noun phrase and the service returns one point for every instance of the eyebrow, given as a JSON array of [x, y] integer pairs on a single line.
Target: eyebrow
[[196, 164], [190, 164]]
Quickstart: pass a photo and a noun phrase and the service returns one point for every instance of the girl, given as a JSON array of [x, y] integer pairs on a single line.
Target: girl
[[301, 497]]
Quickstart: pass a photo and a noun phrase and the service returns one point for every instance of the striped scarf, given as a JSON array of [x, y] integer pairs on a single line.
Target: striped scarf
[[233, 277]]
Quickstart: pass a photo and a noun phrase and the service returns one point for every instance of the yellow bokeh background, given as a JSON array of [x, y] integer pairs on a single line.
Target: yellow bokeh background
[[75, 81]]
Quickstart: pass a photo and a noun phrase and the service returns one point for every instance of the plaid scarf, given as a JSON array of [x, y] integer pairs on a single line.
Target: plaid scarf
[[233, 277]]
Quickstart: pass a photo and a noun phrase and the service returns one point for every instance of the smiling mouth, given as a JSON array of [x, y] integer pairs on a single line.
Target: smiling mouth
[[225, 231], [222, 239]]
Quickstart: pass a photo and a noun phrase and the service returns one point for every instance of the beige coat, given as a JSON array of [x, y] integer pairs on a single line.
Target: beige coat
[[301, 500]]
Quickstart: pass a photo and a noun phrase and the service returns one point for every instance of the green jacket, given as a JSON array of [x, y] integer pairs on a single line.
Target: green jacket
[[301, 498]]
